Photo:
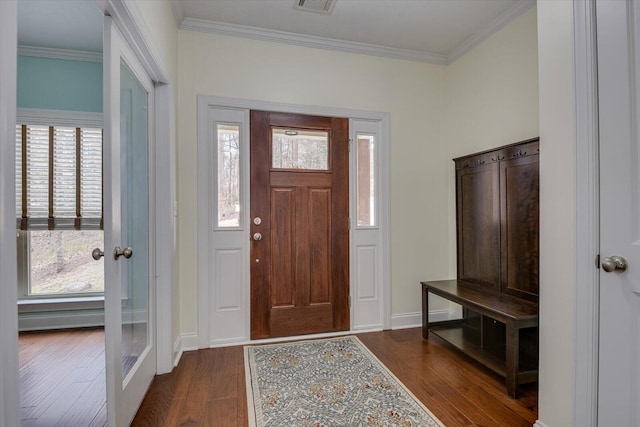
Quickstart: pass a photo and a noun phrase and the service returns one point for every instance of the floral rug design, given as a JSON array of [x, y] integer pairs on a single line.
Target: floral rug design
[[327, 383]]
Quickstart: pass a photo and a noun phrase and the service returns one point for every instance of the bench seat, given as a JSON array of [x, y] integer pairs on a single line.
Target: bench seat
[[490, 329]]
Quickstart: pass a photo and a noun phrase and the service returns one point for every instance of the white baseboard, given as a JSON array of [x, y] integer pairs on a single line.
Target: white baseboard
[[184, 342], [414, 320], [539, 424], [47, 320], [177, 351], [189, 342], [61, 320]]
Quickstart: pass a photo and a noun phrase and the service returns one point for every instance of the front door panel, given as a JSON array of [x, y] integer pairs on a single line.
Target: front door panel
[[300, 243]]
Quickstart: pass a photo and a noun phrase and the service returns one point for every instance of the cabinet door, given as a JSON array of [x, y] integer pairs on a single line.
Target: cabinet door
[[519, 188], [478, 224]]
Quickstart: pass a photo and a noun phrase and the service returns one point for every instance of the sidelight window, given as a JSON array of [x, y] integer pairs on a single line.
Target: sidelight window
[[228, 175], [365, 180]]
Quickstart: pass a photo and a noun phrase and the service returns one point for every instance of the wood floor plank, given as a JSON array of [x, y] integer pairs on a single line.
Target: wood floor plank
[[62, 378], [208, 386]]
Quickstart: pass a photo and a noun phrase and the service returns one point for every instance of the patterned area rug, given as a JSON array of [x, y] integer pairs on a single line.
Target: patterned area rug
[[323, 383]]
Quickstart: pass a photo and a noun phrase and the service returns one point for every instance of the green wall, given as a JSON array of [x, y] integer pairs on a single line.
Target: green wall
[[59, 84]]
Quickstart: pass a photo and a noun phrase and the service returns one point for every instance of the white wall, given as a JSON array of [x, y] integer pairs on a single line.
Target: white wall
[[412, 92], [492, 99], [557, 213]]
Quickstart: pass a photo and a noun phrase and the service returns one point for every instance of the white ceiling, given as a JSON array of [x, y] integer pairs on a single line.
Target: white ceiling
[[436, 31], [429, 29], [60, 24]]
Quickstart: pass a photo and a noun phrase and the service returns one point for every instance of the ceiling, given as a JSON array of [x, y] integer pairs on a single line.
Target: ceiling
[[430, 30], [437, 31], [60, 24]]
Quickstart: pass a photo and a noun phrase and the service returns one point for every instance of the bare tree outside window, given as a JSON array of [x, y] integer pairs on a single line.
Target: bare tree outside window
[[228, 175], [300, 149]]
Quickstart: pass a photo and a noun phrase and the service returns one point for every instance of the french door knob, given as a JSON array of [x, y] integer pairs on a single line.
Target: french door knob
[[97, 254], [614, 263], [257, 236], [126, 252]]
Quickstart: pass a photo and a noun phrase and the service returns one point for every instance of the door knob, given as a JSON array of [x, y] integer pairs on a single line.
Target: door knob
[[126, 252], [97, 254], [614, 263], [257, 236]]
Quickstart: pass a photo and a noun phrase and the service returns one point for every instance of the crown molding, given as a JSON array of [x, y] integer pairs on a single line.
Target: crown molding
[[494, 26], [284, 37], [178, 11], [52, 53], [221, 28]]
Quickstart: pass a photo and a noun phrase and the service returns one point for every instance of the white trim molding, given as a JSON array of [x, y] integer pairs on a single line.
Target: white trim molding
[[541, 424], [130, 22], [9, 385], [285, 37], [66, 54], [587, 219], [35, 116], [414, 320], [184, 342], [178, 11]]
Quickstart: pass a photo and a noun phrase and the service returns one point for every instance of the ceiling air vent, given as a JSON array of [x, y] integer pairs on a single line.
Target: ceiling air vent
[[319, 6]]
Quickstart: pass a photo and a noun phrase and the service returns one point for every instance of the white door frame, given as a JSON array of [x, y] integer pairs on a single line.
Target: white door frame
[[587, 221], [205, 224], [129, 20], [9, 395]]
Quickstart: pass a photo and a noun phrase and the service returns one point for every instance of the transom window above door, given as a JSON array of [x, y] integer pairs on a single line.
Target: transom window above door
[[299, 149]]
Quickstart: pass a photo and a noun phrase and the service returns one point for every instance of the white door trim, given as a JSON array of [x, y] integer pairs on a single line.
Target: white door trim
[[587, 218], [127, 17], [205, 103], [9, 396]]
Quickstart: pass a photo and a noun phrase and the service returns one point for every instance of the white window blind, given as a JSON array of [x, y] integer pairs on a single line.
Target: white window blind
[[59, 181]]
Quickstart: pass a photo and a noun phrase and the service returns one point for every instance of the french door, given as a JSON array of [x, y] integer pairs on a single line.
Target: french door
[[129, 291]]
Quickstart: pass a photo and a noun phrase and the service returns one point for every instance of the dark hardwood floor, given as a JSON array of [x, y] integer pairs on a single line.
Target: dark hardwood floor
[[62, 378], [207, 388]]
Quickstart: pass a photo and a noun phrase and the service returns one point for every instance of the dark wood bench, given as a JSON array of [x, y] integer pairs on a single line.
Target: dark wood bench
[[496, 329]]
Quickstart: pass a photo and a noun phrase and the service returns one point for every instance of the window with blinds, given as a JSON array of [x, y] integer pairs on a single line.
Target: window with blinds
[[58, 177]]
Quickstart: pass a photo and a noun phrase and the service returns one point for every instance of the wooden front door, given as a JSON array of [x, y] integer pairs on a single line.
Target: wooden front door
[[299, 224]]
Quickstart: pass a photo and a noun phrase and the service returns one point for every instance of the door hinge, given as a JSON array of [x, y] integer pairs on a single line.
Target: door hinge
[[349, 224], [598, 261], [349, 299], [349, 144]]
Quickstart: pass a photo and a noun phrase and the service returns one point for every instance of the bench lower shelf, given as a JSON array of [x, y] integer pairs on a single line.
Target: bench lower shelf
[[467, 339]]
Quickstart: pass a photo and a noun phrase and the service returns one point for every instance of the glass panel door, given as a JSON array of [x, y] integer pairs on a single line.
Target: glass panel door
[[134, 193], [129, 285]]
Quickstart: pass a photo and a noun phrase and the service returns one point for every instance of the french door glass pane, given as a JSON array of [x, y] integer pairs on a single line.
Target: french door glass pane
[[134, 175]]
